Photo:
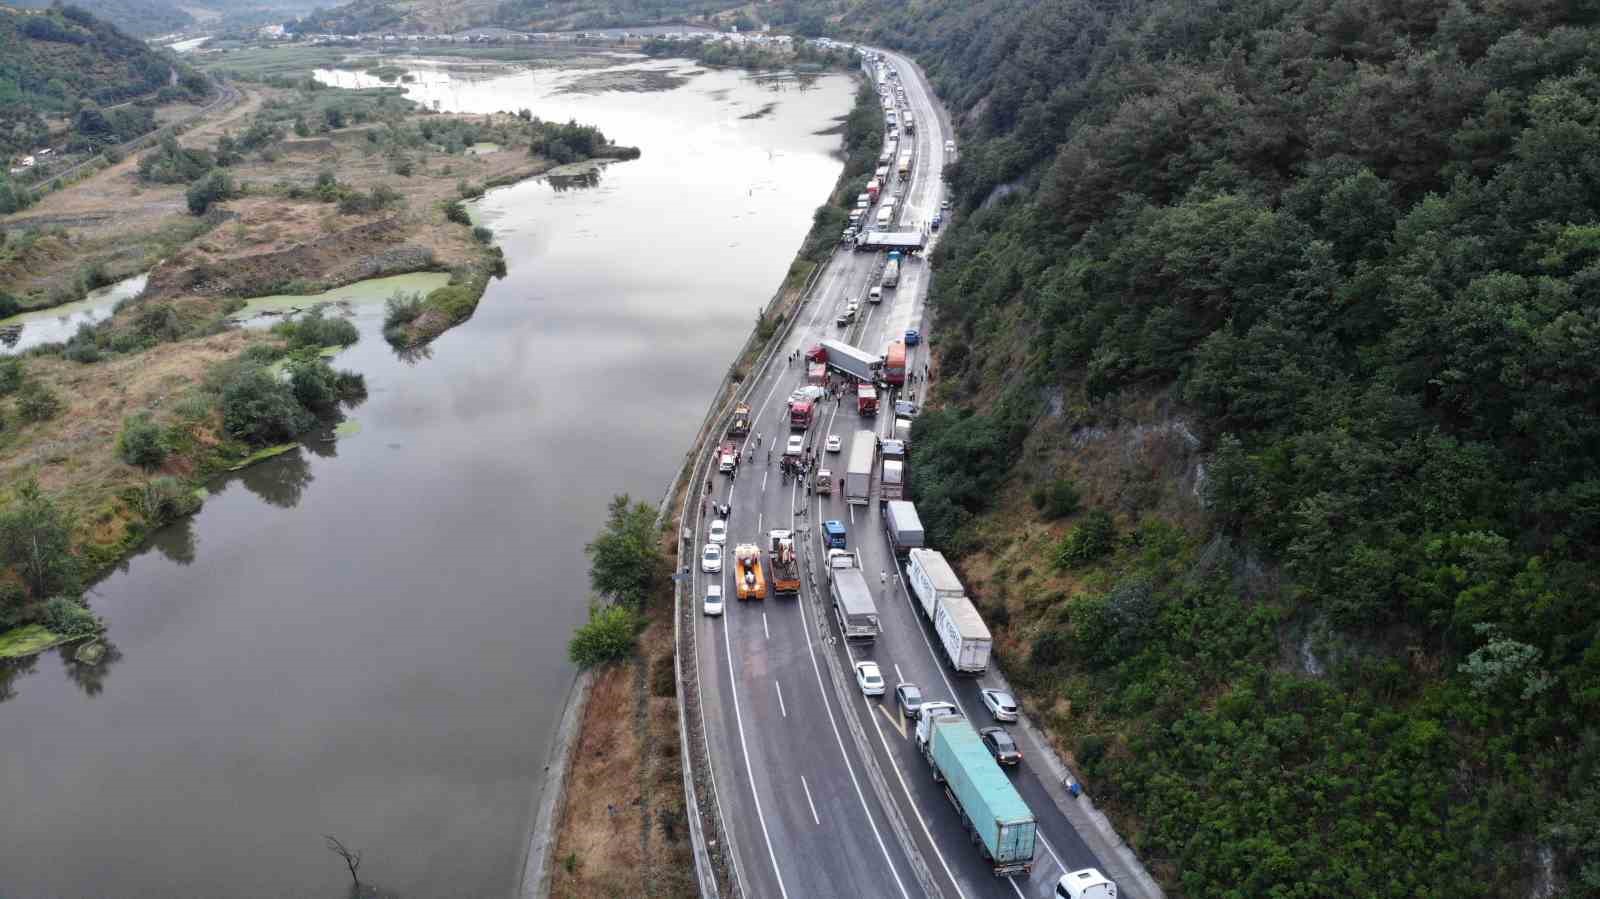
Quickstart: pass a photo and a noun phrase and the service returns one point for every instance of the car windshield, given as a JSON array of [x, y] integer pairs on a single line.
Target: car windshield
[[912, 694], [1005, 701]]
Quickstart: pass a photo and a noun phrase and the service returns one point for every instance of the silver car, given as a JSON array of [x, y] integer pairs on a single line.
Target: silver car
[[1002, 705]]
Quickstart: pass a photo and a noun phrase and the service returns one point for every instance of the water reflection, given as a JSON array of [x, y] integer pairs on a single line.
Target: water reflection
[[280, 481], [13, 670], [178, 541], [81, 669], [579, 181]]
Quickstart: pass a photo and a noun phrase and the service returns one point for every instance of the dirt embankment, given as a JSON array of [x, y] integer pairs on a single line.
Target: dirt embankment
[[353, 254], [623, 830]]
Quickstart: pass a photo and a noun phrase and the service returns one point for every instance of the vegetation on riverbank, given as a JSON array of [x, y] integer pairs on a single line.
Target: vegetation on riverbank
[[1297, 295], [625, 773], [294, 192]]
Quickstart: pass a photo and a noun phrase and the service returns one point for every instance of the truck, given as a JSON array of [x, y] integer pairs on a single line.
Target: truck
[[727, 457], [887, 155], [741, 420], [910, 123], [904, 168], [784, 562], [858, 364], [816, 373], [881, 174], [994, 814], [1085, 884], [866, 399], [823, 482], [800, 414], [891, 269], [884, 216], [894, 363], [904, 241], [858, 475], [891, 480], [852, 601], [751, 584], [874, 188], [932, 579], [963, 635], [904, 527]]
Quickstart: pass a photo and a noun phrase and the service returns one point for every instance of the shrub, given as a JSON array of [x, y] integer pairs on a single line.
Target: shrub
[[314, 329], [9, 305], [1051, 648], [36, 402], [1057, 499], [454, 211], [36, 540], [260, 409], [158, 323], [483, 235], [165, 499], [1091, 749], [10, 375], [1090, 539], [398, 311], [607, 637], [210, 189], [68, 618], [142, 441]]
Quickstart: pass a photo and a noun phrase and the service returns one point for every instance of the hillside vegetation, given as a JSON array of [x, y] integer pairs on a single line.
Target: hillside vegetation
[[1285, 315], [144, 18], [65, 62]]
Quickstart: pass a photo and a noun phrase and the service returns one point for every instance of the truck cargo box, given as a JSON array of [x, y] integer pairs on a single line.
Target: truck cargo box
[[962, 634], [904, 527], [932, 579]]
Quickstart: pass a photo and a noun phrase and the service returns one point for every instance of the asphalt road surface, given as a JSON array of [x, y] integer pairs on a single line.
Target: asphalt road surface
[[822, 789]]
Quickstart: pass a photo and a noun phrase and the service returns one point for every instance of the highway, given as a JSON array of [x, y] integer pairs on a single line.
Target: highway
[[821, 789]]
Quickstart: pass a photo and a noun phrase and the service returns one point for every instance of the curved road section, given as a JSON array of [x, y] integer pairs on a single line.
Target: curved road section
[[822, 790]]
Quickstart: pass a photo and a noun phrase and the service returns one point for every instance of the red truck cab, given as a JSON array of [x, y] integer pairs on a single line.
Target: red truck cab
[[800, 415], [817, 354], [866, 399], [894, 363]]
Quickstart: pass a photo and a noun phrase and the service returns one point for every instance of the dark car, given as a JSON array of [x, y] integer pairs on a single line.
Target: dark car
[[1001, 746], [909, 698]]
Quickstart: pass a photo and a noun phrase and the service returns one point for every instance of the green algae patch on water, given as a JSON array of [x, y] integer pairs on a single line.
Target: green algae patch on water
[[27, 641], [372, 290], [347, 428], [261, 455]]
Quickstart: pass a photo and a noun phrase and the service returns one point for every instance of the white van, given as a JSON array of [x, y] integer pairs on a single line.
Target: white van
[[883, 217]]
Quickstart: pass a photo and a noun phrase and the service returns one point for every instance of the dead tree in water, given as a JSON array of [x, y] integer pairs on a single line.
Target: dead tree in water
[[352, 860]]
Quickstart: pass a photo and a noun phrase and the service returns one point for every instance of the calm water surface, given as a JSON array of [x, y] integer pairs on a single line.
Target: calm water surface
[[367, 637]]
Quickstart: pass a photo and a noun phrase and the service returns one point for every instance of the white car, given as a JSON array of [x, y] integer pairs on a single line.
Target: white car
[[875, 295], [1002, 705], [834, 444], [796, 445], [713, 601], [711, 559], [808, 392], [719, 532], [869, 679]]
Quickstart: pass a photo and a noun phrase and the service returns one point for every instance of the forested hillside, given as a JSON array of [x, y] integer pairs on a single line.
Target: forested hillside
[[1349, 252], [143, 18], [65, 62]]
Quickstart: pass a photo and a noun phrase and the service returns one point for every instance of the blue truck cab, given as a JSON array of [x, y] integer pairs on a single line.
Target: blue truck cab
[[833, 534]]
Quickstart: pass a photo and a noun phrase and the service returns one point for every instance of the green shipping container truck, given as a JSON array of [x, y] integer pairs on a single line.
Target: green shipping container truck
[[996, 817]]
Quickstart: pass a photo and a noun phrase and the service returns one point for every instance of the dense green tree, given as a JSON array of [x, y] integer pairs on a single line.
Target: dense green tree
[[36, 541], [625, 560]]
